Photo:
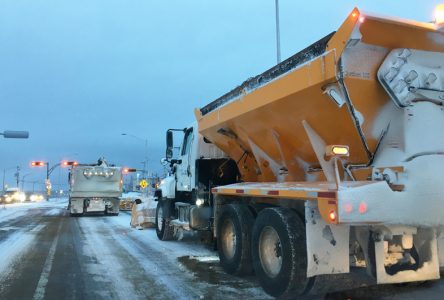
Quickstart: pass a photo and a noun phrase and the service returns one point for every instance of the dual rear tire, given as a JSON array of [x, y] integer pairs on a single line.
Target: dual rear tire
[[273, 245], [234, 239]]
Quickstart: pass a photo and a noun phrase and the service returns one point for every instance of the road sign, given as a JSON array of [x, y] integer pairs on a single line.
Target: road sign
[[143, 184]]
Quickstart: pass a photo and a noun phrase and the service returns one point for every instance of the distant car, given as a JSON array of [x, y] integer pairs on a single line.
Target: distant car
[[13, 195], [35, 197]]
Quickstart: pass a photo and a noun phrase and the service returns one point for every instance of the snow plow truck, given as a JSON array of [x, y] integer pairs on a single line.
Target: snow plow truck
[[332, 162], [95, 188]]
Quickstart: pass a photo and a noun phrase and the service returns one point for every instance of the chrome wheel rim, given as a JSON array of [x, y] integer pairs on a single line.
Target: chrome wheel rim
[[270, 251], [228, 237], [159, 218]]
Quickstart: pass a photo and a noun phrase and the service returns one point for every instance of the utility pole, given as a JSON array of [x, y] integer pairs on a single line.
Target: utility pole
[[48, 172], [278, 34], [17, 176], [145, 163]]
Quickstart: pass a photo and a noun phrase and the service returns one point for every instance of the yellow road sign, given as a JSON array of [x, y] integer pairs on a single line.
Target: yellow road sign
[[143, 184]]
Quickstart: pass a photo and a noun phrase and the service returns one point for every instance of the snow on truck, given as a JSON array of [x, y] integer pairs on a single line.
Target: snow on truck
[[327, 163], [95, 188]]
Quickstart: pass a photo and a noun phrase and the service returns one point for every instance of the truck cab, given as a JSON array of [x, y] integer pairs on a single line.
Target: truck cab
[[184, 198]]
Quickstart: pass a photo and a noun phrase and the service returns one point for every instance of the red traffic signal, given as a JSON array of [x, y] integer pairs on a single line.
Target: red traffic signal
[[37, 163], [69, 163], [128, 170]]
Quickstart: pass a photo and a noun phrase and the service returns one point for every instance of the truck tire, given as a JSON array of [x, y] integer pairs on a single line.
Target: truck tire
[[234, 227], [279, 252], [164, 231]]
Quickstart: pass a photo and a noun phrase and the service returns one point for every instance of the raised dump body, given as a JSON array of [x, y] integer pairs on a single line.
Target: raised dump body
[[350, 127], [95, 188]]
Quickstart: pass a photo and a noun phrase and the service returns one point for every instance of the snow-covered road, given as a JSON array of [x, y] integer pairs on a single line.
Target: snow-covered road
[[45, 254], [48, 255]]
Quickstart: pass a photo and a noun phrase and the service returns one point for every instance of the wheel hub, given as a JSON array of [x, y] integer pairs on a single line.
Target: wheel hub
[[270, 251], [228, 239], [159, 218]]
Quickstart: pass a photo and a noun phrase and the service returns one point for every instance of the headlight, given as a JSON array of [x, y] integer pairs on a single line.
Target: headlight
[[200, 202]]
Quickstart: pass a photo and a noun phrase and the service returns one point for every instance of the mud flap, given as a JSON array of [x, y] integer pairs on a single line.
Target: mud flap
[[426, 245], [327, 245], [441, 247]]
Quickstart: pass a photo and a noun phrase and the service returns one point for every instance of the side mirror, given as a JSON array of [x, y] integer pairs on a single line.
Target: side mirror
[[11, 134], [138, 201], [169, 144]]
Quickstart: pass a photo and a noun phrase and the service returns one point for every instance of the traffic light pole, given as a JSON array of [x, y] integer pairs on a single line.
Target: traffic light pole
[[48, 183]]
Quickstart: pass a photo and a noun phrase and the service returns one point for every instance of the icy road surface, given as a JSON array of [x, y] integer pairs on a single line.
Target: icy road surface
[[45, 254]]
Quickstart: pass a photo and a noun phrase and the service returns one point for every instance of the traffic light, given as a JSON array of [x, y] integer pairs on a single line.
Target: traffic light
[[69, 163], [128, 170], [37, 163]]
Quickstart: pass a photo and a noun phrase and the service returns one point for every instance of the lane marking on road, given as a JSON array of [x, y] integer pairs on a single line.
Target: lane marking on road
[[44, 276]]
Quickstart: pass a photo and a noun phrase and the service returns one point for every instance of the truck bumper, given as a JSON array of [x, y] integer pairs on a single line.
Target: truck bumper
[[94, 205]]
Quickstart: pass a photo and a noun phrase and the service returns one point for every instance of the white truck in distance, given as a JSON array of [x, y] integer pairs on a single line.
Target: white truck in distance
[[95, 188]]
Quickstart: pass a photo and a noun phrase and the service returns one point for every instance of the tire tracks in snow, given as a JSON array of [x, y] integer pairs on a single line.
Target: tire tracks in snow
[[113, 267], [47, 266]]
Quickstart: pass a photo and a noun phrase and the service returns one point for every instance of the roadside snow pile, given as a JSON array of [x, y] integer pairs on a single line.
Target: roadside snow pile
[[14, 211], [143, 215]]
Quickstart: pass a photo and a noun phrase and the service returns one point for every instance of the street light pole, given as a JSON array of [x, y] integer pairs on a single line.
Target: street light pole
[[23, 180], [17, 176], [4, 175], [278, 34]]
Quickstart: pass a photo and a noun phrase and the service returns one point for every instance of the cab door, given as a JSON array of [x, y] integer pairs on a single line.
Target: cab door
[[185, 169]]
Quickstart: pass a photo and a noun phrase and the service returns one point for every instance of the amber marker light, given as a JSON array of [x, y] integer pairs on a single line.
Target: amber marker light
[[337, 150], [332, 216]]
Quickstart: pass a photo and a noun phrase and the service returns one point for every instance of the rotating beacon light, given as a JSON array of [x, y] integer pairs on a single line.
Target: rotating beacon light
[[439, 16]]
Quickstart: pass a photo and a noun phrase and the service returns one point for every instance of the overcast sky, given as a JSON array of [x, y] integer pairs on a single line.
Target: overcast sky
[[77, 74]]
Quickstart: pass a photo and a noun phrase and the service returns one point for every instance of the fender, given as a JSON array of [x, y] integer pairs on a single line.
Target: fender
[[168, 187]]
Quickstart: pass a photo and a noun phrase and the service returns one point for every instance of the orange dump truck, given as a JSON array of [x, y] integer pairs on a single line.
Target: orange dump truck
[[340, 149]]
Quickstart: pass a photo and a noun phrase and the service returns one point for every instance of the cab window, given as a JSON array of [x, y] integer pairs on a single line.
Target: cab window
[[187, 141]]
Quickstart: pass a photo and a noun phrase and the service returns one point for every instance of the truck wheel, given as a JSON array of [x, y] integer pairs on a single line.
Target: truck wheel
[[234, 228], [279, 252], [164, 230]]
